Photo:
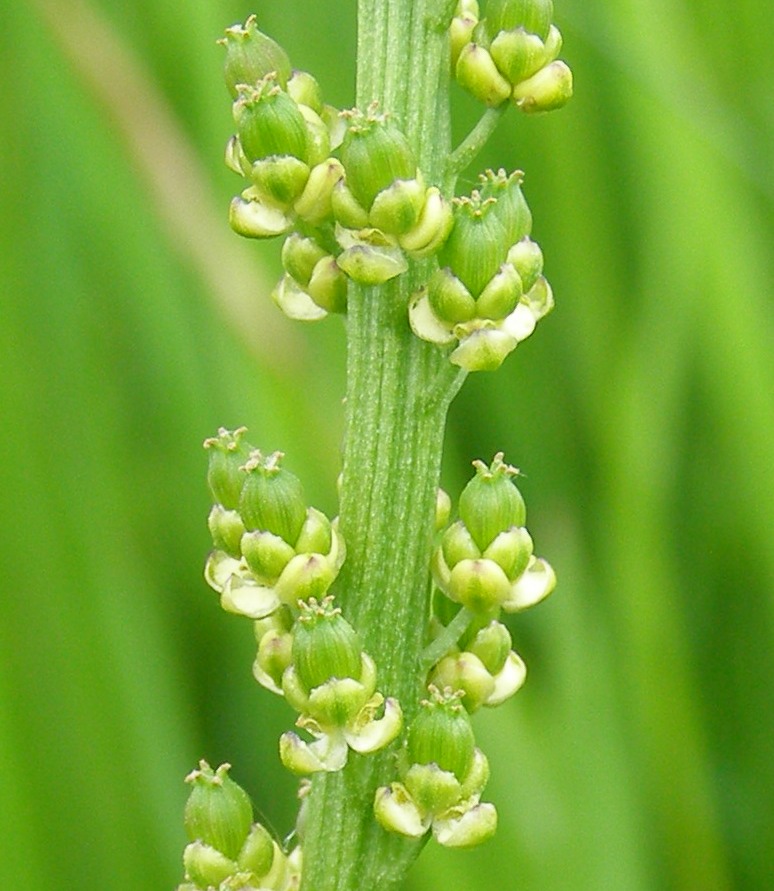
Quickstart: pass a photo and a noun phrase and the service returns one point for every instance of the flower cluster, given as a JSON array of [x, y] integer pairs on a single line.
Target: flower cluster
[[355, 217], [332, 683], [482, 664], [485, 559], [442, 776], [347, 192], [489, 293], [270, 548], [510, 54], [227, 850]]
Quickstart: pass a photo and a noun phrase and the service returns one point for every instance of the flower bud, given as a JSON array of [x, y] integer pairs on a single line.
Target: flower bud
[[550, 88], [218, 811], [228, 451], [375, 153], [527, 258], [511, 550], [314, 204], [274, 656], [477, 73], [325, 645], [432, 228], [534, 16], [442, 509], [491, 503], [441, 734], [396, 209], [465, 672], [306, 576], [269, 122], [318, 136], [369, 256], [457, 544], [272, 498], [250, 56]]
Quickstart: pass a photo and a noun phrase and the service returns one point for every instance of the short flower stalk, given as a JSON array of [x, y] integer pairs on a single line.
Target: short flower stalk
[[381, 627]]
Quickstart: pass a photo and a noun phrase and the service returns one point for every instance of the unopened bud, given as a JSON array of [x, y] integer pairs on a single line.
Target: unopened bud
[[226, 528]]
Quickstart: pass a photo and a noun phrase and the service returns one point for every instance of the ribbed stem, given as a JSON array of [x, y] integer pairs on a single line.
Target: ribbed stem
[[398, 391]]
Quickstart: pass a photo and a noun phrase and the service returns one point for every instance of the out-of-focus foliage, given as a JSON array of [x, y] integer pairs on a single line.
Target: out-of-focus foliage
[[639, 756]]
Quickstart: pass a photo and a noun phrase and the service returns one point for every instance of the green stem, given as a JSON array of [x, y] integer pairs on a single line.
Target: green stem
[[472, 144], [435, 651], [398, 391]]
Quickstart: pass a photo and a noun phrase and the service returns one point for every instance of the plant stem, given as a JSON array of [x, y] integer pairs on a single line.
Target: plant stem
[[472, 144], [392, 456]]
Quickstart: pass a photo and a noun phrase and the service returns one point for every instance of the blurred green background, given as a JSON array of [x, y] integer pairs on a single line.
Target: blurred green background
[[640, 755]]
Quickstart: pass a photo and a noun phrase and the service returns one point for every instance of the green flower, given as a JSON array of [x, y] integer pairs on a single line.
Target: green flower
[[442, 776], [332, 683]]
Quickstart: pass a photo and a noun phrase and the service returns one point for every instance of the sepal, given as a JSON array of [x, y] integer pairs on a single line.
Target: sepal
[[466, 828], [477, 73], [251, 217], [396, 811], [534, 585], [547, 90], [327, 753], [205, 866]]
